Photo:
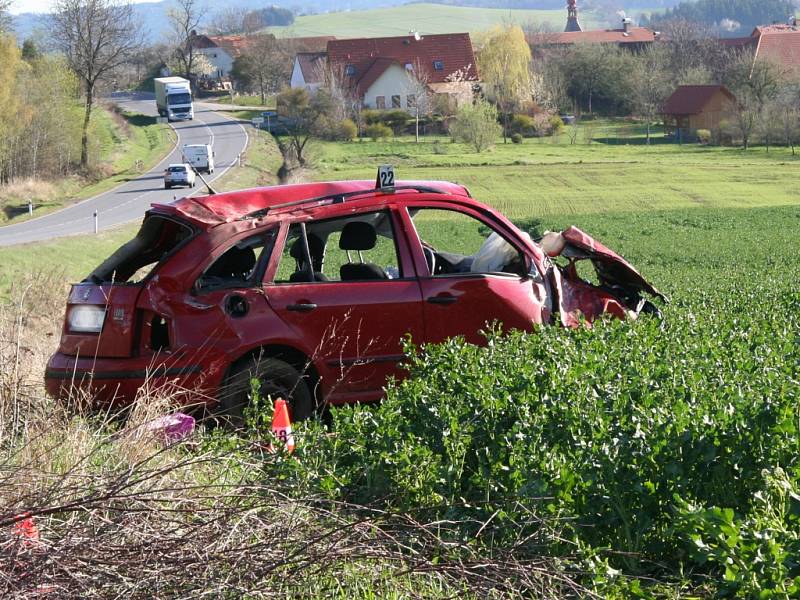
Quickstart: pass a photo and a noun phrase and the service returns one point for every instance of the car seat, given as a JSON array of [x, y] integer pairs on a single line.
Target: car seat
[[316, 248], [235, 263], [359, 236]]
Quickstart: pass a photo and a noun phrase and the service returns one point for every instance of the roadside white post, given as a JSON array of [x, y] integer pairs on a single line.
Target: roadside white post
[[95, 221], [30, 207]]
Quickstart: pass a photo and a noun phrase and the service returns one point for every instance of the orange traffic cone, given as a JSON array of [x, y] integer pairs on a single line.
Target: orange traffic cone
[[26, 528], [282, 425]]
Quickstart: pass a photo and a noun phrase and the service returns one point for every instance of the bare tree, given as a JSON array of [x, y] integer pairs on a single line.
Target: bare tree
[[652, 84], [184, 19], [417, 80], [228, 20], [5, 18], [789, 114], [263, 65], [343, 95], [96, 36]]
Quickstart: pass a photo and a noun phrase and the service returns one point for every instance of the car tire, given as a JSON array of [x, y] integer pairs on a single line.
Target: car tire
[[278, 379], [167, 186]]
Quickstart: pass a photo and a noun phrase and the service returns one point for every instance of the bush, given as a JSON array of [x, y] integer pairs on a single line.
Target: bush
[[476, 125], [704, 136], [378, 131], [516, 138], [556, 125], [396, 119], [523, 125], [346, 130], [371, 116]]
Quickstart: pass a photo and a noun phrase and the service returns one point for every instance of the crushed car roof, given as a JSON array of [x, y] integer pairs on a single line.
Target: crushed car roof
[[223, 208]]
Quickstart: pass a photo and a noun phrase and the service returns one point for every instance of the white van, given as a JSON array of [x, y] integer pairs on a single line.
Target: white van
[[200, 156]]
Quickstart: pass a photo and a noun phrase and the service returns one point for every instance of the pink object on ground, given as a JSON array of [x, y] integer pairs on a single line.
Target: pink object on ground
[[172, 428]]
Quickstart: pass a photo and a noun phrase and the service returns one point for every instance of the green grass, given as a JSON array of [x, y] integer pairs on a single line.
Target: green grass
[[425, 18], [631, 432], [243, 100], [548, 177]]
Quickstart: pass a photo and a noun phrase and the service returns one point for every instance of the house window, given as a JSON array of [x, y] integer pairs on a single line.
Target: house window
[[380, 101], [396, 101], [349, 70], [409, 67], [438, 65], [214, 55], [411, 100]]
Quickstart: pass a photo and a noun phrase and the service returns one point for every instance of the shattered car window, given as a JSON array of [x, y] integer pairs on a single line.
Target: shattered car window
[[135, 260], [240, 265]]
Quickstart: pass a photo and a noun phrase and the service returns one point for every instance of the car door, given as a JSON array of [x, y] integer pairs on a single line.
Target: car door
[[351, 303], [473, 273]]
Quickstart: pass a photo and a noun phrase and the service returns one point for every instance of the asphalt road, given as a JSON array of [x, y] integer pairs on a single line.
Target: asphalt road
[[129, 201]]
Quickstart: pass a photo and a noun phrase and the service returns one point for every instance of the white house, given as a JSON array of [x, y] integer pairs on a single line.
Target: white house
[[220, 50], [387, 73], [308, 71]]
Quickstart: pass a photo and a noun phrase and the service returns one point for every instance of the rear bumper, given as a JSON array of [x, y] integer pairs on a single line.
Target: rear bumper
[[116, 381]]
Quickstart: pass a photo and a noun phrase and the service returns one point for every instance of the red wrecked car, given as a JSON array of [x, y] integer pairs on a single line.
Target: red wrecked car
[[309, 289]]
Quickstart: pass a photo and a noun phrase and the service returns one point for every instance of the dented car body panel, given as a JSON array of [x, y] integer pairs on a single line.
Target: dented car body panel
[[330, 277]]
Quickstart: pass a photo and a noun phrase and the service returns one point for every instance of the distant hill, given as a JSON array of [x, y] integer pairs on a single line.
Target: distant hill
[[425, 18], [152, 15], [730, 17]]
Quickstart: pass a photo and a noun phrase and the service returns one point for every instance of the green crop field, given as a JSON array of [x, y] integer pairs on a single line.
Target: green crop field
[[639, 459], [425, 18]]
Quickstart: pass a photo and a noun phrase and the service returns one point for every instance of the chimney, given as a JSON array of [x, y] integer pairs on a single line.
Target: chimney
[[626, 21]]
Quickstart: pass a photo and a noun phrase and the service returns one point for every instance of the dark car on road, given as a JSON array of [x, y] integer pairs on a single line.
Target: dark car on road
[[311, 288]]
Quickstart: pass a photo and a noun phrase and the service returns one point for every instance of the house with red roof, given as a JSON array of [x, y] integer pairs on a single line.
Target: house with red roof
[[693, 107], [779, 43], [628, 36], [385, 73], [308, 71], [220, 50]]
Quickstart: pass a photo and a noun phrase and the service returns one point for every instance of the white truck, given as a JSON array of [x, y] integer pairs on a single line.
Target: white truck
[[200, 156], [174, 98]]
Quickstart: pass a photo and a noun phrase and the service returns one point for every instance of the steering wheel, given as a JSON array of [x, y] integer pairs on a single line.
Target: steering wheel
[[430, 258]]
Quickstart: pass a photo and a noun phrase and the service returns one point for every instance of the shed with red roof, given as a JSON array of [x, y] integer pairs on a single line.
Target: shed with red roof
[[693, 107]]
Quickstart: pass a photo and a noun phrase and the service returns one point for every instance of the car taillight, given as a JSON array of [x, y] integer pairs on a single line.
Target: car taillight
[[86, 319]]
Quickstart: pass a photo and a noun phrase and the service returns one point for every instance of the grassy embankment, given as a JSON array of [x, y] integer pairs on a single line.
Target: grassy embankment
[[124, 144], [425, 18], [639, 459]]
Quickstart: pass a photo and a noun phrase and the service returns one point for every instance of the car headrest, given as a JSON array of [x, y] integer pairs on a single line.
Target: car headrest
[[236, 262], [358, 235], [316, 248]]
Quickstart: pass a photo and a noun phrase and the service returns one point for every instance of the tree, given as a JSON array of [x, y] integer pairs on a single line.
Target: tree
[[652, 84], [184, 19], [5, 18], [29, 50], [594, 70], [300, 115], [417, 79], [476, 125], [503, 59], [787, 104], [96, 37], [726, 17], [228, 20], [263, 65]]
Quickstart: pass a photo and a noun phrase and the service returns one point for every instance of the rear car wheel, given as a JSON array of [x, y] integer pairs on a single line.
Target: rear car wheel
[[276, 379], [167, 186]]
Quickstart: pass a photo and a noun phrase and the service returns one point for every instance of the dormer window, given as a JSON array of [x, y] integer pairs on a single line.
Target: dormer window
[[349, 70], [438, 65]]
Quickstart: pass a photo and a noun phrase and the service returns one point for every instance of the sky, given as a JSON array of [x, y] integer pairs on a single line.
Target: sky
[[23, 6]]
